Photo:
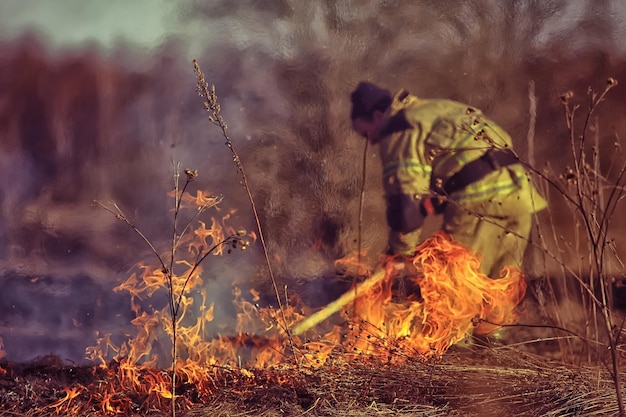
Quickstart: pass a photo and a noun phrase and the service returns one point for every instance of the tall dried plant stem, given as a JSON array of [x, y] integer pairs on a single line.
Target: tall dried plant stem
[[175, 300], [170, 273], [212, 106], [596, 213], [360, 222], [532, 113], [536, 234], [362, 202]]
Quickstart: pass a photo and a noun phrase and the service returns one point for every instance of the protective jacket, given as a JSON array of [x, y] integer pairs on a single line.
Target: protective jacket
[[445, 157]]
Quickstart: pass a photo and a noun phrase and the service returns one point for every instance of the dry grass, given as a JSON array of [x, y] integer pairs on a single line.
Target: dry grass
[[479, 382], [471, 381]]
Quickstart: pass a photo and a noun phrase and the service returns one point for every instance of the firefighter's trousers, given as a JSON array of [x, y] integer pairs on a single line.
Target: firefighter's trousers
[[498, 236]]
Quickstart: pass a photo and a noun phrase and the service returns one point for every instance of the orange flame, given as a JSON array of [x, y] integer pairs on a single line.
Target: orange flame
[[135, 360], [456, 300], [64, 403]]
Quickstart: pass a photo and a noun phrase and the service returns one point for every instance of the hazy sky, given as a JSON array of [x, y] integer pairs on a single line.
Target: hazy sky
[[147, 23], [72, 22]]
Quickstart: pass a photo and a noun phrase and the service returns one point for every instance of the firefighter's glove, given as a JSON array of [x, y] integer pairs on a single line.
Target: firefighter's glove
[[431, 206]]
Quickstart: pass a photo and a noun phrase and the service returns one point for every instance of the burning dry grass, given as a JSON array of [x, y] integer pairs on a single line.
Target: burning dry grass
[[385, 356], [342, 382], [466, 382]]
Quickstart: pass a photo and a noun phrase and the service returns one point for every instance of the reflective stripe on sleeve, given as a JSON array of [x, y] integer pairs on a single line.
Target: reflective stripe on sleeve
[[406, 166]]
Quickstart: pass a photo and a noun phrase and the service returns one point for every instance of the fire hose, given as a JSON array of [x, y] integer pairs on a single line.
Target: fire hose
[[319, 316]]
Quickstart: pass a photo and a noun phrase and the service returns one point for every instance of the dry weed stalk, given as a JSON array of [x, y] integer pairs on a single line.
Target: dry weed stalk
[[213, 108], [593, 197], [167, 264]]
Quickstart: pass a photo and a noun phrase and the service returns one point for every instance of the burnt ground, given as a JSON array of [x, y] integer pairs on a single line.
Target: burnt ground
[[467, 381]]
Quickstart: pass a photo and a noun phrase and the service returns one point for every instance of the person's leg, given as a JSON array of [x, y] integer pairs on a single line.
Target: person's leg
[[497, 241], [513, 244]]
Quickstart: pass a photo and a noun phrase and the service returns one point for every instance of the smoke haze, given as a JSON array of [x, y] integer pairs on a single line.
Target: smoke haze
[[97, 99]]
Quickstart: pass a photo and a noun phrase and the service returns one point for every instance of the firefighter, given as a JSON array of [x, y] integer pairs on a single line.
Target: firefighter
[[444, 157]]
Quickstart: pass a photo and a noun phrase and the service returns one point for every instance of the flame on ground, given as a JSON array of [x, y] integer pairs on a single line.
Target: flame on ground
[[418, 315], [63, 405], [452, 300]]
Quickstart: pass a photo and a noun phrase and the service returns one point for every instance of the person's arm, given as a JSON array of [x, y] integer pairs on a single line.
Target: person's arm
[[406, 178], [405, 219]]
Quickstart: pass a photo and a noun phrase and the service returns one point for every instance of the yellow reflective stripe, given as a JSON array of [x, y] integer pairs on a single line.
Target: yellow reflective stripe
[[406, 165]]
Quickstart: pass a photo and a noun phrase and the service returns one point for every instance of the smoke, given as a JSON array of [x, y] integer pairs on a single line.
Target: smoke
[[99, 114]]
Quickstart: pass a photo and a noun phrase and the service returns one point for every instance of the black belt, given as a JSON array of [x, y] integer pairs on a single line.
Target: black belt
[[478, 169]]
